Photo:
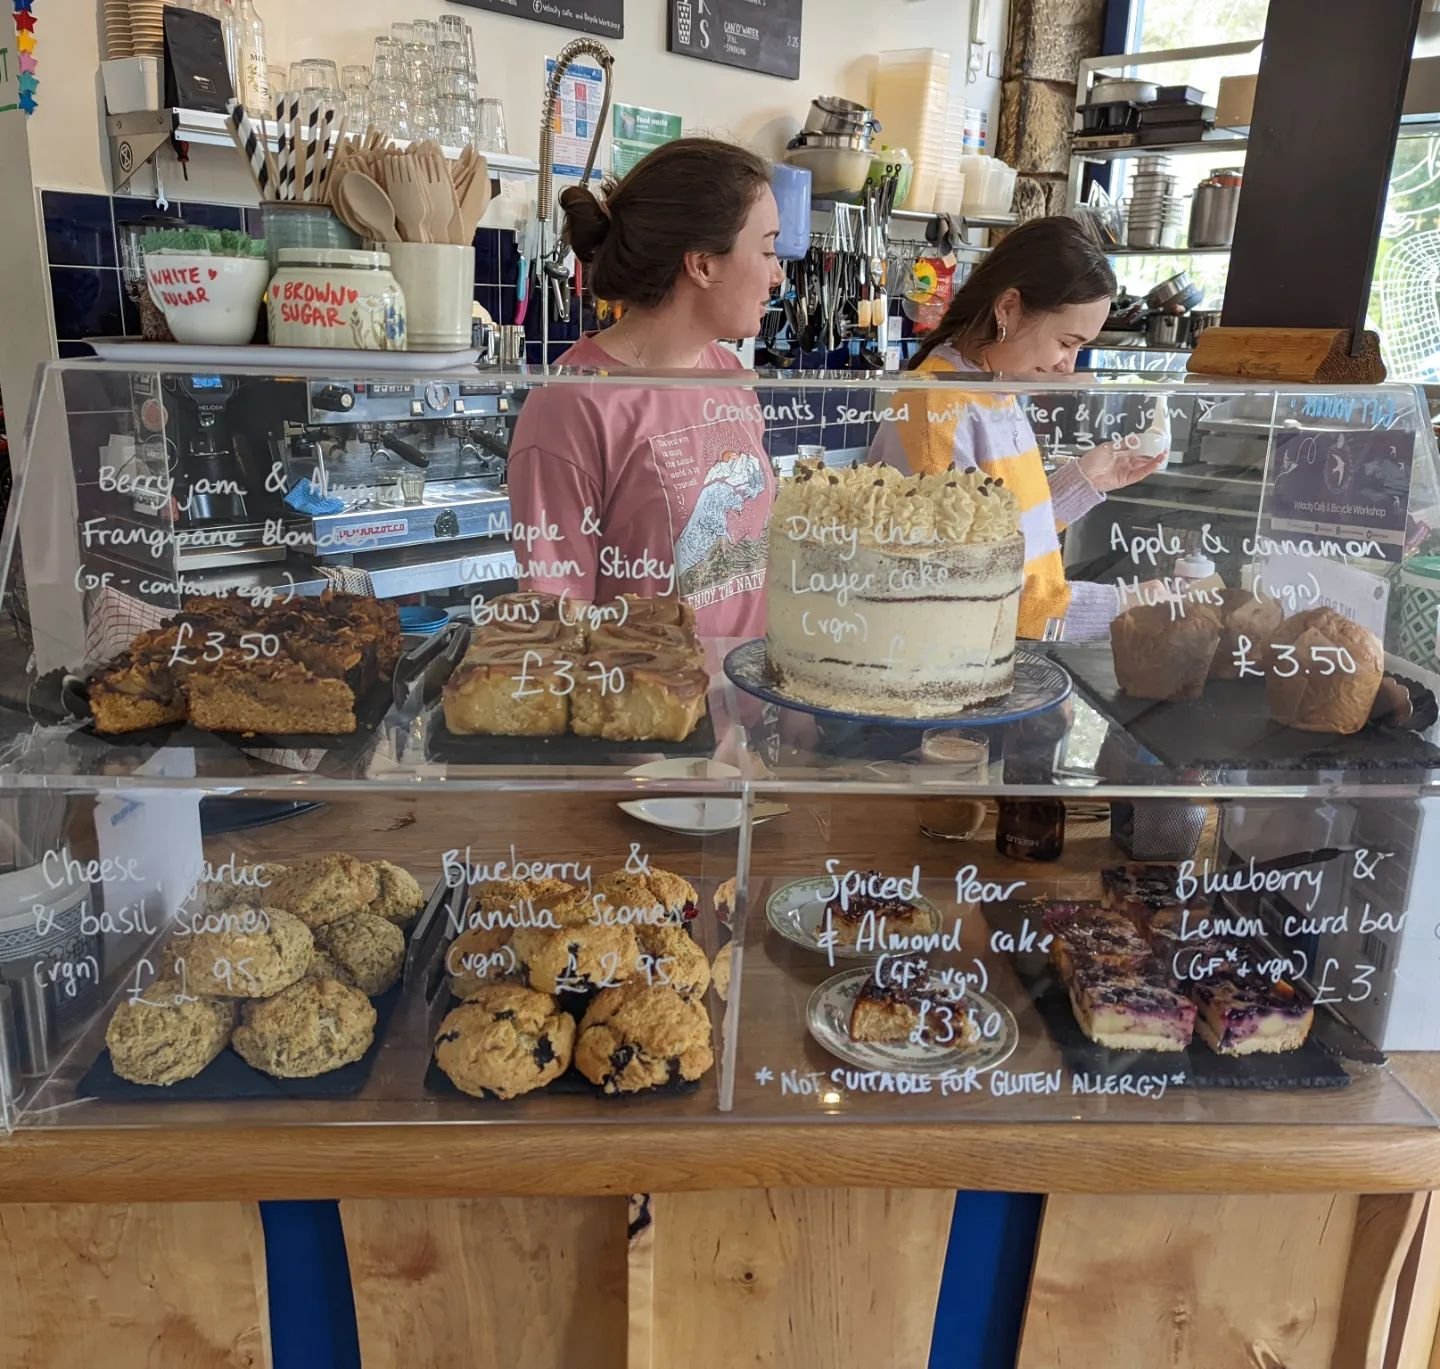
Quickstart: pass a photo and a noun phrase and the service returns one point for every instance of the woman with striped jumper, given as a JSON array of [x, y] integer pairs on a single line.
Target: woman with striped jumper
[[1035, 300]]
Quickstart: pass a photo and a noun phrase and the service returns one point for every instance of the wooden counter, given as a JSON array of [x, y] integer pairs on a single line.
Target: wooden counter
[[800, 1239]]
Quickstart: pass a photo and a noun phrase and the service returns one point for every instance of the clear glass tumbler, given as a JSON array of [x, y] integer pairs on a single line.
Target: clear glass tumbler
[[951, 755]]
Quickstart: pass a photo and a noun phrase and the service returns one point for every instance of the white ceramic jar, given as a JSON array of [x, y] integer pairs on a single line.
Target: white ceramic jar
[[335, 297]]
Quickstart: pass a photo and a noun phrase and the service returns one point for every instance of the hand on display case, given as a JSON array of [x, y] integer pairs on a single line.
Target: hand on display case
[[1114, 465]]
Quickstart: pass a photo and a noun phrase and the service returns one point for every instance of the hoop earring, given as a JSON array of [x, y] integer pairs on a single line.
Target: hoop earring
[[1000, 331]]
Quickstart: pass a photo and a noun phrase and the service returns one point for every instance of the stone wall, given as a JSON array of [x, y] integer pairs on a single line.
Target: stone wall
[[1047, 40]]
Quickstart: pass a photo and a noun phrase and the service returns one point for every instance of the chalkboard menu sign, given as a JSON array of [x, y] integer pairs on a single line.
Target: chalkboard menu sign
[[605, 17], [759, 35]]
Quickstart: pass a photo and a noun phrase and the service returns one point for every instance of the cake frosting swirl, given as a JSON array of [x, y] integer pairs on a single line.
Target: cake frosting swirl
[[891, 594]]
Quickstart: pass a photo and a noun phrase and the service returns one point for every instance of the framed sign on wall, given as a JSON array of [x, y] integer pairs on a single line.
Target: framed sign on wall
[[758, 35], [603, 17]]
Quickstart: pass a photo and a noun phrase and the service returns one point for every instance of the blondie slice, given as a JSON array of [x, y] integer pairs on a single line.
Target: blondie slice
[[277, 695]]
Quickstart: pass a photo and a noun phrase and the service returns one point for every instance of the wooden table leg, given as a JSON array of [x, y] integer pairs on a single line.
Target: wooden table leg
[[130, 1286], [804, 1278], [488, 1283], [1188, 1282]]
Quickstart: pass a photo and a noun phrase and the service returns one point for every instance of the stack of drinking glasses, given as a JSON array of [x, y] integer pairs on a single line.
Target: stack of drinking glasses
[[423, 85]]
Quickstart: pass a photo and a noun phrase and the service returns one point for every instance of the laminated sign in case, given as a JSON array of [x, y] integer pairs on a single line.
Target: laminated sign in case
[[760, 35]]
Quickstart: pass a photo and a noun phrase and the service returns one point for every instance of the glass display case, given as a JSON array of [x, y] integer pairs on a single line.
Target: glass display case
[[509, 747]]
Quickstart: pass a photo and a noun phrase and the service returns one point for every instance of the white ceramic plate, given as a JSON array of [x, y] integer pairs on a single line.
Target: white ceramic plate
[[828, 1017], [290, 358], [689, 816], [797, 911]]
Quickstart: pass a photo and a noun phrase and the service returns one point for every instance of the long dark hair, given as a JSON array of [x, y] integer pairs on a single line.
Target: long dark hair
[[1050, 262], [691, 195]]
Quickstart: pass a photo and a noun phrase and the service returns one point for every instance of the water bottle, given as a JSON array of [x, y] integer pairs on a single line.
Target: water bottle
[[256, 79]]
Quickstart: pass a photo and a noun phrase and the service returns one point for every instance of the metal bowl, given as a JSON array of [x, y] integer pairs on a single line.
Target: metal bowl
[[848, 142], [1169, 291], [833, 114]]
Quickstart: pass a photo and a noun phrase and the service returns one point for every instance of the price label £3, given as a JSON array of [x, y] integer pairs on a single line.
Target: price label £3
[[1285, 661]]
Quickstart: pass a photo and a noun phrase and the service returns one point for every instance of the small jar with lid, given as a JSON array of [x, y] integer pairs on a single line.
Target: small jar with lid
[[332, 297]]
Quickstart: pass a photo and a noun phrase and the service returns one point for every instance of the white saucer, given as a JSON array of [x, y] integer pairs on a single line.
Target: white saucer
[[689, 816]]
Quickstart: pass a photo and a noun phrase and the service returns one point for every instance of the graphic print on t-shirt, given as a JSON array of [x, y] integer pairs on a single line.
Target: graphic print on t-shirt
[[715, 477]]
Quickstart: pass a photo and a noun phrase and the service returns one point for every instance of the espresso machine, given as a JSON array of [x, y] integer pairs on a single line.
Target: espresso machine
[[400, 481], [268, 483]]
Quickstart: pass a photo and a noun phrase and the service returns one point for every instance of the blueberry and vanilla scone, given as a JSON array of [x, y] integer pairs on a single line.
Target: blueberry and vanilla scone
[[504, 1041], [879, 920], [575, 959], [720, 970], [478, 957], [245, 964], [1087, 932], [400, 898], [1250, 1015], [528, 899], [1130, 1008], [650, 899], [369, 949], [674, 958], [166, 1034], [311, 1028], [325, 888], [636, 1037]]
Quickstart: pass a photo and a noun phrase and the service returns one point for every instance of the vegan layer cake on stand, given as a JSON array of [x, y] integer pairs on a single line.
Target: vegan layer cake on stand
[[892, 595]]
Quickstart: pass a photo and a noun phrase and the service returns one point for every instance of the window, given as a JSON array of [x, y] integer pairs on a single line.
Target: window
[[1404, 303]]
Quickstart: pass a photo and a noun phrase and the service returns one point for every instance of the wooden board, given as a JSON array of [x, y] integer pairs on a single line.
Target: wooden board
[[178, 1285], [1189, 1283], [1318, 356], [490, 1283], [807, 1279]]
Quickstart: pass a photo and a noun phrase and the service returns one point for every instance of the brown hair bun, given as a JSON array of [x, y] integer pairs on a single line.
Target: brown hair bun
[[691, 195], [586, 223]]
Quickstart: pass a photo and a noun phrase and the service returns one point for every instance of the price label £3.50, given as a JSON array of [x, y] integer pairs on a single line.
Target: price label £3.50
[[1285, 662]]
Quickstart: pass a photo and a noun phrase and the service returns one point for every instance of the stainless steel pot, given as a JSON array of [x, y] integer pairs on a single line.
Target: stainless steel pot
[[1200, 320], [833, 114], [1166, 330], [1212, 215], [849, 142]]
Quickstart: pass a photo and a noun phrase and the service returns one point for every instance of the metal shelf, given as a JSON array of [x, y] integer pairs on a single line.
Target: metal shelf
[[1227, 143], [136, 138], [1164, 251]]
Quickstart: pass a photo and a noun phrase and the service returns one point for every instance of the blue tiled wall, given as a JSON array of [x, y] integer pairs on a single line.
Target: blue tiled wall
[[90, 300]]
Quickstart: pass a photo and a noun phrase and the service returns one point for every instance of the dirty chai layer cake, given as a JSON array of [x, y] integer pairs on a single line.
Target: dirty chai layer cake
[[893, 595]]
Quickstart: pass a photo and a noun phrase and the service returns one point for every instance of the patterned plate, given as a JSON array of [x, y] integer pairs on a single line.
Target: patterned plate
[[828, 1017], [1040, 685], [797, 912]]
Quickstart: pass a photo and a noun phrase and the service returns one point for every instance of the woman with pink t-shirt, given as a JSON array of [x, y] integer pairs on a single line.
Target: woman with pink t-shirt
[[642, 487]]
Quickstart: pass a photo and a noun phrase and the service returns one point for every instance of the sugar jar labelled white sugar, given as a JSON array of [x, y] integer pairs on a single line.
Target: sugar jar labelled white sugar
[[336, 297]]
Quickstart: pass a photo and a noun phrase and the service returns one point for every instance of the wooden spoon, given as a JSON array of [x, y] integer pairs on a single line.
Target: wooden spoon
[[474, 201], [365, 206]]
